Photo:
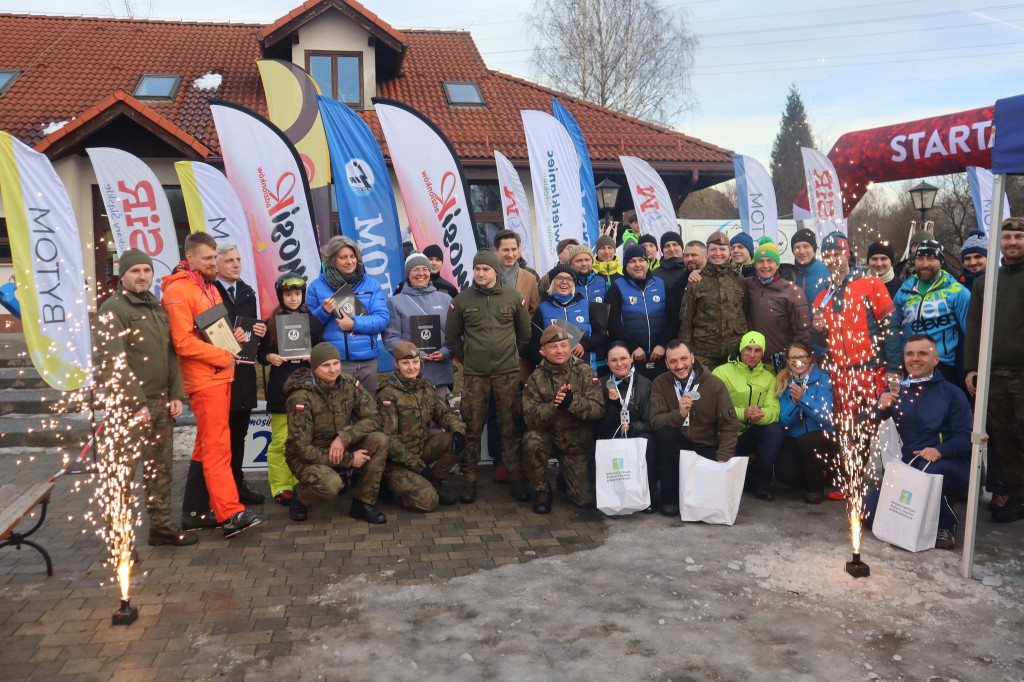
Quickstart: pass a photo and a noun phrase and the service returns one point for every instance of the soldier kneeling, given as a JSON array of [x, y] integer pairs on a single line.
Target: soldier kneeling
[[407, 405], [561, 400], [332, 424]]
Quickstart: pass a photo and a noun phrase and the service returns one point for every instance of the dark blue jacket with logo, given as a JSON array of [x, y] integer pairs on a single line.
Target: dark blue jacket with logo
[[638, 314], [593, 286], [933, 414], [579, 311]]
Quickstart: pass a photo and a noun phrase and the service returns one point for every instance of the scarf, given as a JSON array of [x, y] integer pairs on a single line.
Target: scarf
[[337, 280], [887, 276], [562, 298], [767, 282], [509, 277]]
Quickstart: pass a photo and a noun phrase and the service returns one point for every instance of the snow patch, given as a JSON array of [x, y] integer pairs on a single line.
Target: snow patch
[[54, 126], [208, 81]]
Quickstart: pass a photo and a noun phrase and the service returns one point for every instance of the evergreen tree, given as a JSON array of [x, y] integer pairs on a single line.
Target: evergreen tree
[[787, 162]]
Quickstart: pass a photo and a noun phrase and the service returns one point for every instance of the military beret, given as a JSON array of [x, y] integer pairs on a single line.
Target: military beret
[[405, 351], [1013, 225], [553, 334], [718, 238]]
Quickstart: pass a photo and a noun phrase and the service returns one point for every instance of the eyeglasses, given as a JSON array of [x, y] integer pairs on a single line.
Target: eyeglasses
[[563, 278], [798, 358]]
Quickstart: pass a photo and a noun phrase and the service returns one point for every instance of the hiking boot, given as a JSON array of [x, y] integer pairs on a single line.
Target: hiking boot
[[468, 494], [247, 495], [998, 500], [814, 497], [500, 473], [283, 498], [197, 521], [297, 510], [366, 512], [542, 502], [445, 494], [238, 522], [520, 491], [171, 535], [670, 509], [945, 540], [1011, 511]]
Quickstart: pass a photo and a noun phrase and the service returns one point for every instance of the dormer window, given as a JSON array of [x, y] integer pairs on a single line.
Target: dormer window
[[157, 87], [463, 94], [7, 78], [339, 75]]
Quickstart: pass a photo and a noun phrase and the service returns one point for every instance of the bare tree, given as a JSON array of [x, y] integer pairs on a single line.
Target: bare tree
[[129, 9], [633, 56]]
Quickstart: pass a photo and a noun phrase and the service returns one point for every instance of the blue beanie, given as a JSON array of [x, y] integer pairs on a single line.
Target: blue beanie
[[977, 242], [746, 240], [633, 251], [835, 241]]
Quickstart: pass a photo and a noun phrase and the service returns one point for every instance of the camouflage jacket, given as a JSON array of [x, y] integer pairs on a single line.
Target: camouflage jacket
[[317, 413], [587, 405], [713, 315], [406, 410]]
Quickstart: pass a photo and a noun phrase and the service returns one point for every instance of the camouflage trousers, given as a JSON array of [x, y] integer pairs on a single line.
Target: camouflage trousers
[[476, 399], [574, 458], [413, 490], [319, 483], [156, 452]]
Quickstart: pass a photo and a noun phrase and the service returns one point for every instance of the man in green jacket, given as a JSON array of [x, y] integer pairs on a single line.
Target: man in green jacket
[[332, 424], [486, 329], [140, 376], [690, 410], [751, 387], [407, 405], [561, 403], [713, 314]]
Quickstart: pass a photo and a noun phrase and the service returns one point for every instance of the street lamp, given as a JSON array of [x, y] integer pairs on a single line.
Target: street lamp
[[924, 197], [607, 195]]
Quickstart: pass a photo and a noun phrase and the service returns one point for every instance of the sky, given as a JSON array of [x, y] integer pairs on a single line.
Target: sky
[[858, 63]]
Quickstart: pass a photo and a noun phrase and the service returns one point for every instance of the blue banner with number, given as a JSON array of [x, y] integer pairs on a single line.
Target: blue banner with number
[[366, 202], [591, 228]]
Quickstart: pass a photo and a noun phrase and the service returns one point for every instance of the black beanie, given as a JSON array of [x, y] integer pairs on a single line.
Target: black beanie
[[647, 239], [670, 237], [434, 251], [804, 235], [881, 249]]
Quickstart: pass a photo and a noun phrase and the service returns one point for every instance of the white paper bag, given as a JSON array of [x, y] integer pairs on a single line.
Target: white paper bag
[[908, 507], [710, 491], [621, 465]]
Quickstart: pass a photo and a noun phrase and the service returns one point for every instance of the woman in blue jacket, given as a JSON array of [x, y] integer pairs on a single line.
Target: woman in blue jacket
[[805, 398], [355, 336]]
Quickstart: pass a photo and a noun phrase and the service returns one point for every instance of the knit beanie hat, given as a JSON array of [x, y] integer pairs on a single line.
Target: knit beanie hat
[[977, 242], [604, 240], [633, 251], [882, 249], [132, 257], [564, 243], [321, 353], [558, 270], [415, 259], [434, 251], [670, 237], [752, 339], [577, 250], [647, 239], [930, 248], [745, 240], [920, 236], [718, 238], [804, 235], [766, 249], [836, 241], [488, 258]]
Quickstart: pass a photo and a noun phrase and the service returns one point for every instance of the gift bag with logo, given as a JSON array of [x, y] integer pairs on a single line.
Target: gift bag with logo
[[888, 446], [621, 465], [908, 507], [710, 491]]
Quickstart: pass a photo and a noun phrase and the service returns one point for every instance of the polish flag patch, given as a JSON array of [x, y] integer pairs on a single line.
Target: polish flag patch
[[386, 403], [594, 380], [300, 408]]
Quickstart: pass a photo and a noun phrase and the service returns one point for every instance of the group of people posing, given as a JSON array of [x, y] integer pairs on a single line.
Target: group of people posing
[[705, 346]]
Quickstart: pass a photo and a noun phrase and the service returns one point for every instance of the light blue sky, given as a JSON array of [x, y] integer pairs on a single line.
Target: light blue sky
[[858, 63]]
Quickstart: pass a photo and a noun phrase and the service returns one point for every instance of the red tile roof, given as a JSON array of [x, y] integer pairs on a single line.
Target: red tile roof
[[75, 64], [350, 8]]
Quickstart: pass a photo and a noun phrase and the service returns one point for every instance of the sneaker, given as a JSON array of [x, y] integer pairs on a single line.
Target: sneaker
[[500, 473], [366, 512], [542, 502], [836, 496], [945, 540], [283, 498], [238, 522], [196, 521], [297, 510], [171, 535], [247, 495]]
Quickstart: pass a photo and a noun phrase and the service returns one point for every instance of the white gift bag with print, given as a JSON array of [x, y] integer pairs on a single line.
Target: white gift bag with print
[[908, 507], [888, 445], [710, 491], [621, 466]]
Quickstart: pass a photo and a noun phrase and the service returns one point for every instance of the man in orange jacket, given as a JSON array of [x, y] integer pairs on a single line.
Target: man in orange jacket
[[206, 372]]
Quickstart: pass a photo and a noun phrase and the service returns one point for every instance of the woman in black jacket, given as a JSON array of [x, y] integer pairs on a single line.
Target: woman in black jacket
[[291, 296]]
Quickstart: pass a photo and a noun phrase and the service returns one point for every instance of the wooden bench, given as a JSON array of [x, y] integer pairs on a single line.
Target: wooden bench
[[22, 501]]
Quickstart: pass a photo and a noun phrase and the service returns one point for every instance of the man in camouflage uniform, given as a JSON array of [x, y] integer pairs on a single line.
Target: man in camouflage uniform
[[561, 401], [487, 327], [407, 405], [144, 394], [332, 424], [713, 315]]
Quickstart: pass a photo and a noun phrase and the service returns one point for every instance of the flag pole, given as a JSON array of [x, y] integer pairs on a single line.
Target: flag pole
[[979, 438]]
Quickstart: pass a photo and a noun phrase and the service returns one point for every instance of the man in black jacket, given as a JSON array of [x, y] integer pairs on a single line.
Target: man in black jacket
[[240, 300]]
